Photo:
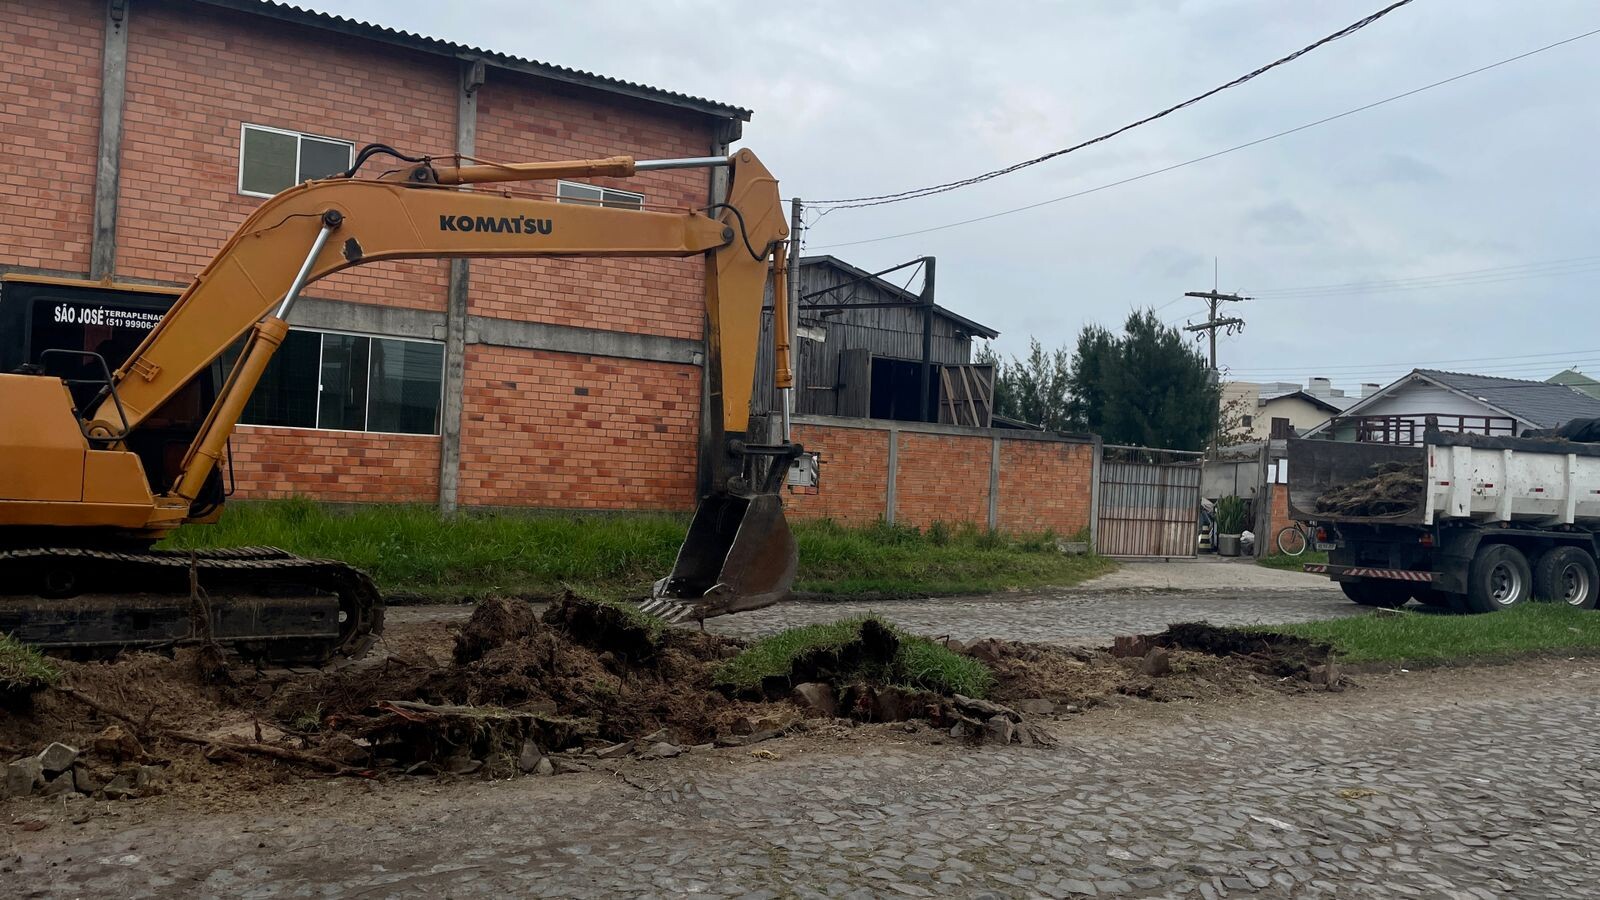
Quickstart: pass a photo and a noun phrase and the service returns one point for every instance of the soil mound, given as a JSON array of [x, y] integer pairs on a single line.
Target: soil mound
[[1391, 489]]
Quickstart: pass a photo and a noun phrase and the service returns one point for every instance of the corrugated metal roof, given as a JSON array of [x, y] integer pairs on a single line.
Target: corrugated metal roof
[[357, 28], [977, 328], [1539, 402]]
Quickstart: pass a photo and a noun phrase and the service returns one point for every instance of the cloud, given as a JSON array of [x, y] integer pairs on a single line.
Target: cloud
[[855, 98]]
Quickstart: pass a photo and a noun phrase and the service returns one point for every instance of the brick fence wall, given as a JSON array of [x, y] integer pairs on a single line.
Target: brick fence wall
[[916, 474]]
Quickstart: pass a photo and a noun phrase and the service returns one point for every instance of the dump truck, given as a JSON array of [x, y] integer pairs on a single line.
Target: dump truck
[[102, 458], [1471, 522]]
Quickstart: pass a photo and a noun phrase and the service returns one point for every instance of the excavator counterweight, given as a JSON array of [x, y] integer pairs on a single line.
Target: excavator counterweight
[[86, 490]]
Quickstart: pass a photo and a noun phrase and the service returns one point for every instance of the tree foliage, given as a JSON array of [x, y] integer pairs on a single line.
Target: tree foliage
[[1146, 386]]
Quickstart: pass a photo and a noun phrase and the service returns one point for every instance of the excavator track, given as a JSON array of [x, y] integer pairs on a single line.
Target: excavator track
[[270, 605]]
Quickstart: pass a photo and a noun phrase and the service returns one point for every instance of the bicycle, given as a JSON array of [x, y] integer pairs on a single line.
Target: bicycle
[[1293, 539]]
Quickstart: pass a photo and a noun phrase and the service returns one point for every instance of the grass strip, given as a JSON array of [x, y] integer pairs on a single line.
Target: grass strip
[[1432, 637], [411, 550], [919, 662]]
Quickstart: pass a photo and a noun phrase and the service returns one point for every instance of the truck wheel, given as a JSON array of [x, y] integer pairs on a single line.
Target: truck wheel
[[1567, 575], [1385, 594], [1498, 579]]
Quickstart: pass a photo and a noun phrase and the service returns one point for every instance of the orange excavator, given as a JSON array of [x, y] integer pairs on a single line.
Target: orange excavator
[[88, 486]]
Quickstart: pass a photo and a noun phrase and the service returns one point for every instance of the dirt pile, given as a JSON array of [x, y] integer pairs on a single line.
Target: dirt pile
[[1390, 489], [1193, 661]]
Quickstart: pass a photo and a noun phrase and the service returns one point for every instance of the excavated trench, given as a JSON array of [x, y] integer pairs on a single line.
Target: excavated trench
[[512, 692]]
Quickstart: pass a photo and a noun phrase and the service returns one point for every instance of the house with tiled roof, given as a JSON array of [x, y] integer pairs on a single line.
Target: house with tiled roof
[[1458, 401]]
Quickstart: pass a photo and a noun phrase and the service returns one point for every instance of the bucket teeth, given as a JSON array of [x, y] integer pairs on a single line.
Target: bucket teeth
[[667, 609]]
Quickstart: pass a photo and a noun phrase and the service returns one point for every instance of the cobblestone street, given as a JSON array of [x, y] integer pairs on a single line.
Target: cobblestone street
[[1466, 783]]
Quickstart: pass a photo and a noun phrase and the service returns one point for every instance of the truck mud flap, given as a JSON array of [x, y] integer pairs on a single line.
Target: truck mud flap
[[1339, 573]]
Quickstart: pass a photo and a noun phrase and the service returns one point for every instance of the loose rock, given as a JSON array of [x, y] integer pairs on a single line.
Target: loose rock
[[816, 698], [117, 745], [1157, 662], [544, 766], [57, 757], [529, 757], [23, 776], [985, 709], [614, 751], [999, 730], [661, 750], [61, 784]]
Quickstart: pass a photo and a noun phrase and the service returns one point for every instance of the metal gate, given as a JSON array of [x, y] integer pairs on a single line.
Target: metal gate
[[1149, 502]]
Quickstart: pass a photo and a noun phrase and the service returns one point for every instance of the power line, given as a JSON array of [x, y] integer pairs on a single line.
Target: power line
[[914, 193], [1386, 281], [1214, 155]]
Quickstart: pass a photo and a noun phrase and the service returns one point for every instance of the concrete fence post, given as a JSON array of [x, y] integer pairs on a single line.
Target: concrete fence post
[[108, 168], [455, 316], [894, 471], [1098, 450], [994, 484]]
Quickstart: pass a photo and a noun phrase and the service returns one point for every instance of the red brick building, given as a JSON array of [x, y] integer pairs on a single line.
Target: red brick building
[[135, 135]]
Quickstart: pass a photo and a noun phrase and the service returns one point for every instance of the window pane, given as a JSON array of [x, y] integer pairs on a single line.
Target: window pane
[[586, 194], [344, 382], [407, 383], [287, 391], [319, 158], [623, 200], [267, 161]]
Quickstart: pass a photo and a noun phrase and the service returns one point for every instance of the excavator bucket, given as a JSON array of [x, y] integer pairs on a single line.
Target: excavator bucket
[[740, 555]]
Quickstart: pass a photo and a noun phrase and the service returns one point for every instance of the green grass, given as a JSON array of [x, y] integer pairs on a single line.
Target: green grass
[[919, 663], [23, 669], [898, 561], [1293, 563], [410, 550], [1423, 637]]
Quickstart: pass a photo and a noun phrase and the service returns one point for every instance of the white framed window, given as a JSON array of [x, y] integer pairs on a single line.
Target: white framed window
[[341, 381], [272, 159], [594, 195]]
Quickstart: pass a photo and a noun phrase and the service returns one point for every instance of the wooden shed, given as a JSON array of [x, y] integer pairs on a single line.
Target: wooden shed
[[860, 347]]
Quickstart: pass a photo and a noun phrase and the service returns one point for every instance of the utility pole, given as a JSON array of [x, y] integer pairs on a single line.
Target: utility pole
[[796, 226], [1233, 324]]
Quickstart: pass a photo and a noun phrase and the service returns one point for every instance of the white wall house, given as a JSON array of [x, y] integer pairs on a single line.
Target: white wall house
[[1479, 404]]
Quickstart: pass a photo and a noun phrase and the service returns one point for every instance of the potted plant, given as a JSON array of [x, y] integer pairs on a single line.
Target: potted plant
[[1229, 525]]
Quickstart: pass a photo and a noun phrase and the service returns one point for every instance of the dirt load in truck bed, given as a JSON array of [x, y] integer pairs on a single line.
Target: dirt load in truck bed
[[1392, 489]]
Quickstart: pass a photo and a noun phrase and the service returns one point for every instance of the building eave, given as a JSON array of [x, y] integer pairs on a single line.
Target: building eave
[[966, 324], [356, 28]]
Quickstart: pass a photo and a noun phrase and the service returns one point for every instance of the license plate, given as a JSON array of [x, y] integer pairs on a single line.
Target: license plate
[[1324, 545]]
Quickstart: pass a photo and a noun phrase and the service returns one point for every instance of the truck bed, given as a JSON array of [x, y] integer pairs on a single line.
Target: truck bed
[[1538, 481]]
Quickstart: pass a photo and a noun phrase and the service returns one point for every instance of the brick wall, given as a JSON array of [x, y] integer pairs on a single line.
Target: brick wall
[[854, 475], [1045, 485], [196, 74], [335, 465], [566, 431], [520, 119], [944, 476], [49, 132]]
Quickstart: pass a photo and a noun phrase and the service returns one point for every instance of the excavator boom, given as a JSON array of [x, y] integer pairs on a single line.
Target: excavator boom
[[147, 455]]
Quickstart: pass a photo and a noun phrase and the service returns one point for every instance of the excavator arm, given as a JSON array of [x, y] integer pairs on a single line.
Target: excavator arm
[[739, 553]]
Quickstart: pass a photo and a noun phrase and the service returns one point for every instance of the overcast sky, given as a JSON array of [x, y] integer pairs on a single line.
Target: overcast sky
[[1494, 172]]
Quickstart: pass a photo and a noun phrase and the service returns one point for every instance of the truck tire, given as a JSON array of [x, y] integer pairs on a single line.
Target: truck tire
[[1377, 592], [1567, 575], [1499, 578]]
